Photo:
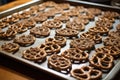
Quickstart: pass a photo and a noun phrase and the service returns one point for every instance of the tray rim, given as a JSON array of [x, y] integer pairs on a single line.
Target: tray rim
[[113, 71]]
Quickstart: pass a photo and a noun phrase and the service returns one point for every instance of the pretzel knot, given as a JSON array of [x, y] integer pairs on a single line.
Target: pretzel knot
[[40, 31], [112, 50], [86, 73], [25, 40], [83, 44], [102, 61], [10, 47], [34, 54], [50, 48], [59, 63], [60, 40], [75, 55], [67, 32]]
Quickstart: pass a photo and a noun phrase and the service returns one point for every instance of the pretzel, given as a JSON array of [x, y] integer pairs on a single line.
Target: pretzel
[[96, 37], [10, 47], [104, 22], [94, 11], [112, 50], [56, 10], [11, 20], [118, 27], [52, 24], [39, 18], [101, 61], [111, 41], [59, 63], [75, 55], [25, 14], [80, 20], [76, 26], [86, 73], [114, 34], [40, 31], [3, 24], [66, 32], [111, 14], [48, 4], [83, 44], [62, 18], [64, 6], [34, 54], [17, 15], [49, 14], [29, 23], [50, 48], [19, 27], [60, 40], [8, 34], [25, 40], [100, 30], [71, 13]]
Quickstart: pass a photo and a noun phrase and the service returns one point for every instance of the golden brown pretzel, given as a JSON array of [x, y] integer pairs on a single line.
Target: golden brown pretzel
[[60, 40], [94, 11], [83, 44], [75, 55], [86, 73], [10, 47], [114, 34], [50, 48], [66, 32], [112, 50], [52, 24], [96, 37], [75, 25], [8, 34], [63, 18], [59, 63], [101, 61], [40, 31], [34, 54], [100, 30], [25, 40]]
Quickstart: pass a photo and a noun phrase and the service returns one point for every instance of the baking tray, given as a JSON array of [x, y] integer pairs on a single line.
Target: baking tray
[[43, 66]]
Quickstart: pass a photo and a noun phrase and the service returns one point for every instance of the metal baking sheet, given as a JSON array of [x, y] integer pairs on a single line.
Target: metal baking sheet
[[43, 66]]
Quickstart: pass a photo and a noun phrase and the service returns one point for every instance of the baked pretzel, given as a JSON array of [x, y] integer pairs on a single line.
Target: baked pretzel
[[39, 18], [111, 41], [86, 73], [25, 14], [96, 37], [29, 23], [3, 24], [8, 34], [76, 26], [34, 54], [25, 40], [82, 43], [80, 20], [118, 27], [94, 11], [17, 15], [60, 40], [62, 18], [50, 48], [10, 20], [59, 63], [19, 27], [112, 50], [52, 24], [56, 10], [75, 55], [66, 32], [114, 34], [101, 61], [40, 31], [10, 47], [48, 4], [64, 6], [100, 30], [71, 13], [104, 22]]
